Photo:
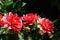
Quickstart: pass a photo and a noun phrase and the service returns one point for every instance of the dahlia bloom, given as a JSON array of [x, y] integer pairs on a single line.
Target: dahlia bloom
[[1, 21], [29, 18], [45, 26], [12, 21]]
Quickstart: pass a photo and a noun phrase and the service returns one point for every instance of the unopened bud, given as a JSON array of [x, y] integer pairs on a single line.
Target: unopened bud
[[27, 29]]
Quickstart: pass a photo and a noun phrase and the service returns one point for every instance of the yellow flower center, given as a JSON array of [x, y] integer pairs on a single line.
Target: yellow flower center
[[14, 20]]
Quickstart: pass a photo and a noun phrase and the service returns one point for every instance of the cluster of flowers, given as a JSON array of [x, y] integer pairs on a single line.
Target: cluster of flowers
[[13, 22]]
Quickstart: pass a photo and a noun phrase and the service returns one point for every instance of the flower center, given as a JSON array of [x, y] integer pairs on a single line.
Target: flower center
[[14, 20]]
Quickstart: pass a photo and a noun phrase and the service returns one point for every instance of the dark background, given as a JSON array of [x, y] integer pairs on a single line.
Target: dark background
[[49, 8]]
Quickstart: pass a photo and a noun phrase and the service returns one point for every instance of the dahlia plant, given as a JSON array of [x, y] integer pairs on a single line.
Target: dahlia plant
[[27, 27]]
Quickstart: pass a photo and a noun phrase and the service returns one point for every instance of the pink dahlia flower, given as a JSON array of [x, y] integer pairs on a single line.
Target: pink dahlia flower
[[45, 26], [1, 21], [12, 21], [29, 18]]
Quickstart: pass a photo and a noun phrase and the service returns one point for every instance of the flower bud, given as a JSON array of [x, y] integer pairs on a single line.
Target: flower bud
[[27, 29]]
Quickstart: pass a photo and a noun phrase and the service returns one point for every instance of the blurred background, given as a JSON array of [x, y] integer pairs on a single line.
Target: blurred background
[[49, 8]]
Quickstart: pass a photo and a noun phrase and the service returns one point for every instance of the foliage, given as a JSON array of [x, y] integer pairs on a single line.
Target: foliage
[[11, 5]]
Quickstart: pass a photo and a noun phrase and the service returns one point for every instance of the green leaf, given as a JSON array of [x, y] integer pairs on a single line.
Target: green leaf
[[29, 38], [0, 7], [20, 36], [3, 31], [4, 11], [35, 27], [7, 3], [23, 4], [55, 21], [1, 2]]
